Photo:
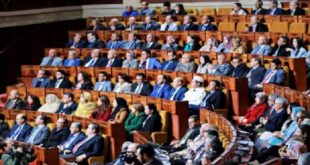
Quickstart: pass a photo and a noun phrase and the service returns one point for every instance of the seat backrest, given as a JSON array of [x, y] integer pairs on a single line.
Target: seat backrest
[[241, 26], [207, 11], [165, 120], [297, 27], [223, 11], [279, 27], [226, 26], [51, 126], [106, 144]]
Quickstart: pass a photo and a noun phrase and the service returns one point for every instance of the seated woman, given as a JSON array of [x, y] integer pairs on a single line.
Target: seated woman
[[152, 122], [86, 105], [298, 50], [104, 84], [192, 43], [179, 10], [236, 45], [254, 111], [226, 45], [32, 103], [205, 63], [123, 84], [119, 111], [51, 105], [4, 127], [83, 82], [72, 60], [135, 118], [210, 45], [103, 110], [238, 10], [130, 61]]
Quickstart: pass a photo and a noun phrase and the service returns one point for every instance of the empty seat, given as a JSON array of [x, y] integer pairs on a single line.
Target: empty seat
[[279, 27], [207, 11], [297, 27], [191, 11], [223, 11], [241, 26], [226, 26]]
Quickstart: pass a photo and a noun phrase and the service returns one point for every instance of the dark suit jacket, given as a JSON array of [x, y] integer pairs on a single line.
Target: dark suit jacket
[[80, 44], [68, 110], [225, 70], [136, 27], [190, 26], [41, 137], [298, 11], [19, 104], [4, 129], [169, 65], [116, 63], [164, 91], [79, 138], [44, 83], [57, 137], [32, 107], [209, 27], [192, 136], [282, 51], [93, 147], [256, 76], [179, 95], [117, 27], [99, 61], [278, 11], [216, 100], [117, 45], [261, 12], [24, 133], [278, 78], [151, 26], [155, 45], [96, 28], [259, 28], [96, 44], [276, 121], [240, 71], [64, 84], [87, 86], [145, 91], [151, 124]]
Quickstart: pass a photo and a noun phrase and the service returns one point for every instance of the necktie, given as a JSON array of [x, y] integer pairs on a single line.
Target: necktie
[[71, 62], [39, 83], [184, 138], [276, 52], [143, 124], [204, 27], [112, 45], [75, 44], [100, 87], [292, 13], [149, 45], [260, 50], [33, 135], [50, 62], [256, 12], [138, 89], [67, 144], [57, 83], [272, 12], [203, 103], [166, 67], [76, 147], [268, 77], [159, 90], [10, 104], [186, 27], [92, 63], [16, 133], [167, 27], [109, 63], [130, 45], [173, 95], [143, 65]]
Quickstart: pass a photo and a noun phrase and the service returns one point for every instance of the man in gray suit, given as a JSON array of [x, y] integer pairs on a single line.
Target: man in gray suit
[[170, 44], [40, 132], [51, 59], [41, 81], [223, 67], [130, 61], [261, 47], [186, 64], [132, 43]]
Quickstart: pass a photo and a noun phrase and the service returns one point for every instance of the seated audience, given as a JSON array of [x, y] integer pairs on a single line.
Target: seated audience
[[51, 105], [141, 86], [93, 60], [240, 69], [115, 25], [104, 109], [150, 24], [293, 149], [76, 42], [179, 9], [93, 41], [162, 88], [119, 110], [60, 81], [41, 81], [146, 155], [131, 61], [188, 23], [297, 50], [152, 122], [210, 45], [256, 25], [95, 24], [132, 24], [72, 59], [214, 148], [68, 105], [214, 98], [32, 103], [236, 45], [274, 9], [115, 42], [186, 64], [145, 9], [259, 10], [103, 84], [294, 9], [12, 155], [14, 102], [262, 48], [196, 93], [274, 75], [83, 81], [304, 159], [170, 44], [4, 127], [51, 59], [178, 91], [226, 45], [169, 24], [123, 84], [238, 10], [223, 67], [130, 12], [135, 118], [132, 43], [206, 24], [148, 62], [59, 134], [204, 65], [112, 60], [150, 42], [192, 43], [166, 9], [171, 62], [21, 129], [280, 48], [86, 106], [255, 75], [40, 132]]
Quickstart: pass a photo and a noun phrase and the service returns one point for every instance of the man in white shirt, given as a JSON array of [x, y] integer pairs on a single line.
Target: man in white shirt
[[169, 25]]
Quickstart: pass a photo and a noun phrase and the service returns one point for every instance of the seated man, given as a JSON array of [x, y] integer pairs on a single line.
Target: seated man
[[178, 91], [68, 105], [59, 134], [240, 69], [132, 25], [169, 25], [171, 62], [259, 10], [294, 9], [95, 25], [77, 42], [280, 48], [40, 132], [72, 59], [115, 25], [21, 130], [51, 59], [262, 48], [93, 60], [188, 23], [274, 75], [141, 86], [255, 75], [150, 42], [132, 43], [148, 62], [12, 155], [223, 67], [104, 84], [146, 155], [256, 26], [215, 98], [150, 24], [4, 127], [206, 24], [115, 42], [92, 41], [14, 102], [166, 9], [130, 12], [170, 44], [112, 60], [41, 81], [186, 64], [145, 9], [74, 138], [274, 10], [131, 60], [162, 88], [60, 81]]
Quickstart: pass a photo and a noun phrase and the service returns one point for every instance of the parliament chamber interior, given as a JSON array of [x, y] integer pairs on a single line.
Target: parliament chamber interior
[[150, 82]]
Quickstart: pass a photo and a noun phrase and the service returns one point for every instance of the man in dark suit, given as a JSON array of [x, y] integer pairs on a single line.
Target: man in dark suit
[[206, 24], [255, 76], [152, 122], [60, 81], [95, 24], [259, 10], [132, 43], [274, 10], [92, 145], [115, 25], [150, 24], [141, 87], [171, 62], [191, 133], [93, 60], [68, 105], [92, 41], [132, 25], [77, 42], [256, 26], [215, 98], [150, 43], [40, 132], [146, 155], [280, 49], [170, 44], [240, 69], [274, 75], [21, 130], [178, 91], [58, 134], [222, 68], [294, 9], [41, 81], [162, 88], [14, 102], [115, 42], [112, 60], [188, 23]]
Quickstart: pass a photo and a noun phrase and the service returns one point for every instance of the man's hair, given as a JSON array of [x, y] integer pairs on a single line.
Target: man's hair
[[141, 75], [69, 95], [276, 61], [96, 127], [44, 118], [194, 117], [217, 83], [147, 149], [77, 125]]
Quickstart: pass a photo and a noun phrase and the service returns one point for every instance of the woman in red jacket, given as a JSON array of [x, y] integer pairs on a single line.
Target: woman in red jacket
[[104, 109], [254, 111]]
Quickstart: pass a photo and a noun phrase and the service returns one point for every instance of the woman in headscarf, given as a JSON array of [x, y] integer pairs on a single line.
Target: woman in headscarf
[[32, 103], [51, 105], [205, 63], [119, 111], [86, 105], [103, 110]]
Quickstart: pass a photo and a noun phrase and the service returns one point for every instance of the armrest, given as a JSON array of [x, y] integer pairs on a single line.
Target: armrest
[[159, 137], [96, 159]]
